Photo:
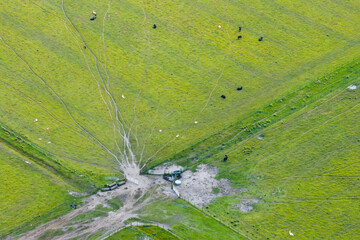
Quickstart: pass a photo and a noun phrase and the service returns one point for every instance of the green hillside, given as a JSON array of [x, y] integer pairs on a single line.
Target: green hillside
[[71, 87]]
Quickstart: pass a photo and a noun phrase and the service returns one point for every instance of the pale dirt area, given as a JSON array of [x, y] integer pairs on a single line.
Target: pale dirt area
[[197, 187], [133, 197], [246, 205], [165, 168]]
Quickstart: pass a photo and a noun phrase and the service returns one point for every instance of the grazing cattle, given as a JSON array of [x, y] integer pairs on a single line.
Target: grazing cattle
[[260, 39], [154, 26], [219, 27], [223, 96], [239, 37], [239, 29], [225, 158], [84, 47], [239, 88], [93, 18]]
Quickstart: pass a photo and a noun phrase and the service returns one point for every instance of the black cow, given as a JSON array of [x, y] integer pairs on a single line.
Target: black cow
[[239, 29], [154, 26], [225, 158], [223, 96], [260, 39], [239, 88], [239, 37], [93, 18]]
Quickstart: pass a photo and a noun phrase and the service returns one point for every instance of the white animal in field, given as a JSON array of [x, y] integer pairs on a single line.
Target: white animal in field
[[291, 234], [219, 27], [123, 96], [195, 122], [93, 12], [35, 120], [160, 130], [352, 87], [177, 135]]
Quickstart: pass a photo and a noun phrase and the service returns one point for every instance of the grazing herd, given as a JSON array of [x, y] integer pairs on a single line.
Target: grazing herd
[[222, 96]]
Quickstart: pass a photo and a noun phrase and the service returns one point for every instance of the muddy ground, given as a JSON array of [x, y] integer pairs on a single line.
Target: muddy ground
[[197, 188], [201, 188]]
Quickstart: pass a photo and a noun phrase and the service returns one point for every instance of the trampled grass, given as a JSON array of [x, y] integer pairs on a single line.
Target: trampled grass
[[56, 64]]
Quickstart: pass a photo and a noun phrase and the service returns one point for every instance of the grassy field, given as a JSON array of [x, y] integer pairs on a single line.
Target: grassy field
[[304, 171], [56, 66], [143, 232], [29, 194], [187, 221]]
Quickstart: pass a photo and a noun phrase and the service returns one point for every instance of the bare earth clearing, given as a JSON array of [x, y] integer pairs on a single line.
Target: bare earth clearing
[[197, 188]]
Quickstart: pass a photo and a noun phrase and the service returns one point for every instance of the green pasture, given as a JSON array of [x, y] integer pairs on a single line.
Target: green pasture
[[143, 232], [176, 66], [29, 194], [304, 171], [187, 221], [56, 66]]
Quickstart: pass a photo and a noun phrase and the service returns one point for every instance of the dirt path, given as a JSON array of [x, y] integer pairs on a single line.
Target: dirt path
[[133, 196], [197, 188], [201, 188]]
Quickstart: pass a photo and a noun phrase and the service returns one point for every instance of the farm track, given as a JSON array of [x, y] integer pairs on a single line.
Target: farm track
[[113, 103], [111, 223]]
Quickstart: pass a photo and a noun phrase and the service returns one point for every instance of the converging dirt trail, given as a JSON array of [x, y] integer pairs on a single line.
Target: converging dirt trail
[[197, 188], [133, 198]]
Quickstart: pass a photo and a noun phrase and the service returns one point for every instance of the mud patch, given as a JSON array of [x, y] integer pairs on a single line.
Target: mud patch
[[77, 194], [197, 187], [165, 168], [246, 205]]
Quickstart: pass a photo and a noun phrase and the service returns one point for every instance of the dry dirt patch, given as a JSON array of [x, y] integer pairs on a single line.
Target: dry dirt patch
[[197, 187], [246, 205]]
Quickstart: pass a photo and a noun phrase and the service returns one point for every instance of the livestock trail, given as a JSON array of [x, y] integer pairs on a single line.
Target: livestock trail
[[137, 69]]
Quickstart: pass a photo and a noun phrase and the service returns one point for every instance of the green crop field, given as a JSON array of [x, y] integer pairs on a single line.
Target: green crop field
[[70, 88]]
